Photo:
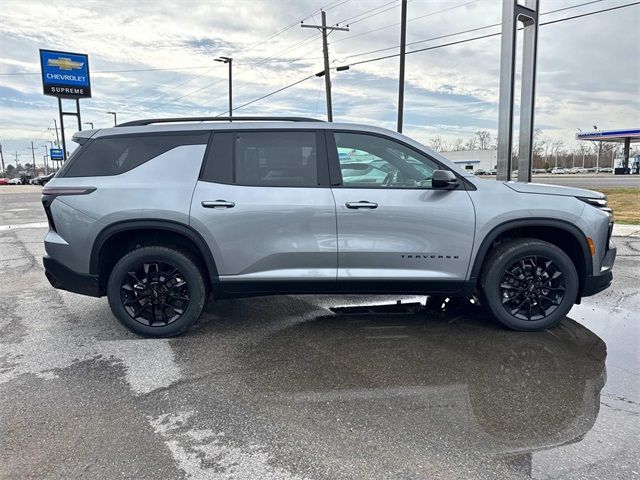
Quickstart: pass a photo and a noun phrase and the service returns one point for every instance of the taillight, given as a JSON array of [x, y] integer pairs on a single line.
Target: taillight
[[46, 203]]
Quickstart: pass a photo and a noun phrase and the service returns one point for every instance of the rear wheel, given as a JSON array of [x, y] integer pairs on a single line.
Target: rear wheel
[[156, 291], [529, 284]]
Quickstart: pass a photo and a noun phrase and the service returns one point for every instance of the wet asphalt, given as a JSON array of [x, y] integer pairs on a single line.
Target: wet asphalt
[[285, 388]]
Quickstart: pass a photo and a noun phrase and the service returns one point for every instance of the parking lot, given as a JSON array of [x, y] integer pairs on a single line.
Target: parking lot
[[285, 388]]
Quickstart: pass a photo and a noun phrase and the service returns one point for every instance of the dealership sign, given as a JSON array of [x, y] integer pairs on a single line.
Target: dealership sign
[[65, 74], [56, 153]]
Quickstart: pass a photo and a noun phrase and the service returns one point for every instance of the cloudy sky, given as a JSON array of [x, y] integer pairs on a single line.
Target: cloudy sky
[[154, 58]]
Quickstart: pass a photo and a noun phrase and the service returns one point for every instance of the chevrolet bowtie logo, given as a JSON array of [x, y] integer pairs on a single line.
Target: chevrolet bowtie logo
[[64, 63]]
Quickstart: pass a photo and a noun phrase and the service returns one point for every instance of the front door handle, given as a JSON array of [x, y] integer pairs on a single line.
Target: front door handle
[[218, 204], [361, 204]]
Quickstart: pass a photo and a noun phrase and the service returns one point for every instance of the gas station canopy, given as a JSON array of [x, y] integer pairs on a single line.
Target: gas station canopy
[[632, 134], [626, 136]]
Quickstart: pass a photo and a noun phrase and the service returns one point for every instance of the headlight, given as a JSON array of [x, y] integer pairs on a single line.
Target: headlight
[[600, 204]]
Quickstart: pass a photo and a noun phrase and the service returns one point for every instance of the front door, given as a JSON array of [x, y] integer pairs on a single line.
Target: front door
[[392, 225], [264, 207]]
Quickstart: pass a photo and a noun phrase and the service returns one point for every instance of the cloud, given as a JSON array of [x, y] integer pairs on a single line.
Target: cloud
[[588, 68]]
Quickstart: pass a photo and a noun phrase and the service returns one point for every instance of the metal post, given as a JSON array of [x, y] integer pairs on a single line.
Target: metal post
[[78, 114], [528, 91], [325, 50], [403, 45], [230, 89], [625, 161], [64, 142], [512, 12], [598, 158], [33, 154]]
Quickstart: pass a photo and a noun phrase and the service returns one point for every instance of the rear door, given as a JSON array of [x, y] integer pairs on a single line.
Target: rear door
[[264, 207], [392, 225]]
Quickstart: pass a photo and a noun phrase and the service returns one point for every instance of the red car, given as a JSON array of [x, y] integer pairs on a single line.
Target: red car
[[4, 181]]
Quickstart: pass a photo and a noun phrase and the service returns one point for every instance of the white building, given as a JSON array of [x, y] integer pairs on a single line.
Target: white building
[[473, 159]]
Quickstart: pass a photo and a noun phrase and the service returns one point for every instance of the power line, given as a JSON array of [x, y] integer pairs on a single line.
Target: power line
[[301, 43], [470, 30], [492, 34], [371, 10], [550, 22], [270, 93]]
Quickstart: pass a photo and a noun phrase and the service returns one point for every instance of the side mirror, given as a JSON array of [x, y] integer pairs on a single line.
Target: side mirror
[[444, 180]]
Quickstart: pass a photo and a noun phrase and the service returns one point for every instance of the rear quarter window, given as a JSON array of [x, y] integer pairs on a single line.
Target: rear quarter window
[[115, 155]]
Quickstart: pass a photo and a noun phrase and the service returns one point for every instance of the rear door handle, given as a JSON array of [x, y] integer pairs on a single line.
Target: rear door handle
[[218, 204], [361, 204]]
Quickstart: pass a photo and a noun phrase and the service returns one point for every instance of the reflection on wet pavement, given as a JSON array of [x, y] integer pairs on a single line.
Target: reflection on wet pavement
[[369, 386]]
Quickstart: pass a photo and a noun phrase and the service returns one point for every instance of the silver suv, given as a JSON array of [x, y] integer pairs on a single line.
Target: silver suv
[[159, 214]]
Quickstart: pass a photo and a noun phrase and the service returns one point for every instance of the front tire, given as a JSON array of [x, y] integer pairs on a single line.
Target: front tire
[[529, 284], [156, 291]]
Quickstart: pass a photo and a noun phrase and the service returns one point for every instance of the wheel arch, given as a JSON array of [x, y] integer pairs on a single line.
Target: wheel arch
[[561, 233], [119, 237]]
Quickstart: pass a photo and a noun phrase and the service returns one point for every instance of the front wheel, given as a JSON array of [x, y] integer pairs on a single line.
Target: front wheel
[[529, 284], [156, 291]]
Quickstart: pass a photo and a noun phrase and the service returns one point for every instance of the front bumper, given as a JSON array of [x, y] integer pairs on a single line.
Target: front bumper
[[66, 279], [596, 283]]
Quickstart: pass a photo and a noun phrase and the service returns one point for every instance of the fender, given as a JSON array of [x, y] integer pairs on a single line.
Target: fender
[[145, 224], [531, 222]]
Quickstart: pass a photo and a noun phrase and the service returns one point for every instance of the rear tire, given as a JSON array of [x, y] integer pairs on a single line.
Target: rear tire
[[156, 291], [529, 284]]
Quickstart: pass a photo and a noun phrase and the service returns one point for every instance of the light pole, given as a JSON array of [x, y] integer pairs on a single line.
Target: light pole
[[91, 123], [229, 61], [46, 166], [115, 118]]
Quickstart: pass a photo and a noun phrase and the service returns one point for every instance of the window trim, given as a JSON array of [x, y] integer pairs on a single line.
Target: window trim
[[321, 157], [335, 173], [66, 166]]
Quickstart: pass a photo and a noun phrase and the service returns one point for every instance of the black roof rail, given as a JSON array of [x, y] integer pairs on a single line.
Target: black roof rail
[[149, 121]]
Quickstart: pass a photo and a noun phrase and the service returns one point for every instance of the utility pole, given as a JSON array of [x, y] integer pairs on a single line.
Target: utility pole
[[2, 158], [33, 154], [16, 162], [55, 123], [229, 61], [325, 50], [403, 46], [46, 156]]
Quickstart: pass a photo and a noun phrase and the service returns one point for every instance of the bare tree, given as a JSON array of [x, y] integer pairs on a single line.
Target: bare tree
[[483, 139], [458, 144], [471, 144], [437, 143]]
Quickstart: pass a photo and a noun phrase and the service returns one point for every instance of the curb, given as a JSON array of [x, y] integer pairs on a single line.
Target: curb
[[623, 230]]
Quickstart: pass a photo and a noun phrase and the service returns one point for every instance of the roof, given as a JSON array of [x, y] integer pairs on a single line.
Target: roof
[[633, 134]]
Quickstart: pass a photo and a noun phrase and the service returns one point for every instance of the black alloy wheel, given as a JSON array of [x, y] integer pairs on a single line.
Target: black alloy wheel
[[155, 293], [532, 288], [528, 284]]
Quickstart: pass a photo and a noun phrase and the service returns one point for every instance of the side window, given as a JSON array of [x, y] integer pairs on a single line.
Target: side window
[[286, 158], [118, 154], [218, 165], [372, 161]]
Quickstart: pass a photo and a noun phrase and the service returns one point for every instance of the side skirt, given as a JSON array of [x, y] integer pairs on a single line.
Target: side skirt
[[236, 289]]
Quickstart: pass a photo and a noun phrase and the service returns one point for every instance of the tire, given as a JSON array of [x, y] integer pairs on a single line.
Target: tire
[[156, 291], [529, 284]]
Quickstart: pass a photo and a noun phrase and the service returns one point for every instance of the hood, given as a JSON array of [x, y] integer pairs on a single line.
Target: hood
[[545, 189]]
